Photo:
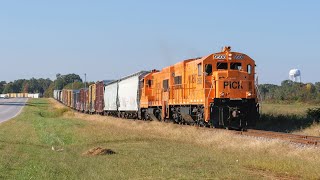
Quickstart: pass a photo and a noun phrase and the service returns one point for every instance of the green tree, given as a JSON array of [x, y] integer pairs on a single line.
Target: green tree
[[8, 88], [49, 91], [43, 84], [290, 91], [317, 86], [2, 84], [34, 86], [77, 85], [25, 87], [63, 80]]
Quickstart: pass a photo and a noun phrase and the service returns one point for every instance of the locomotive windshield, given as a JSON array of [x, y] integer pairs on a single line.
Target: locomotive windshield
[[235, 66], [222, 65]]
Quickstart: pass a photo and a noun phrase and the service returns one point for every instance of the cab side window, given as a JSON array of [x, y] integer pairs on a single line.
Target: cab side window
[[208, 69], [249, 70], [150, 83]]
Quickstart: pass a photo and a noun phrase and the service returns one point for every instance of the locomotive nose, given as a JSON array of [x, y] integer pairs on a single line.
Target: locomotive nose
[[233, 84]]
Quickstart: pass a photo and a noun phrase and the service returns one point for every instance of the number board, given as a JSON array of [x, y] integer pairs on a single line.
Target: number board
[[238, 56], [220, 56]]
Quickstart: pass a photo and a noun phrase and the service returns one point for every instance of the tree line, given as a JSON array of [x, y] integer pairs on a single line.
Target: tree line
[[290, 91], [43, 86], [25, 86]]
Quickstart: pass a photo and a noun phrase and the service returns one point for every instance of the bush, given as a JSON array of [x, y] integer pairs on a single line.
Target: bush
[[314, 113]]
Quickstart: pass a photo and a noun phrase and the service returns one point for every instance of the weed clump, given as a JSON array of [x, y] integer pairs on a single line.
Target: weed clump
[[53, 113]]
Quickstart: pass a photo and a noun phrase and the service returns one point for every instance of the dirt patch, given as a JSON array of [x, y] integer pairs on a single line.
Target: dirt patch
[[99, 151]]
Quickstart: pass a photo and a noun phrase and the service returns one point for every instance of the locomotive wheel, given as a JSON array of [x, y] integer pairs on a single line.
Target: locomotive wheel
[[146, 116]]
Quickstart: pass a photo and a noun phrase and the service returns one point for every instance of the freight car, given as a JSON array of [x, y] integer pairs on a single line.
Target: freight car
[[217, 90], [122, 97], [64, 97], [57, 94], [74, 98], [92, 98], [82, 100], [99, 103]]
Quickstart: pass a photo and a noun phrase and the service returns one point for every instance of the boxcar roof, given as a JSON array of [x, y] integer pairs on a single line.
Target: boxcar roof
[[129, 76]]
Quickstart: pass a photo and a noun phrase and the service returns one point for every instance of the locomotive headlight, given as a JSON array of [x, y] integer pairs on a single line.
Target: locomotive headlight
[[249, 94], [222, 94]]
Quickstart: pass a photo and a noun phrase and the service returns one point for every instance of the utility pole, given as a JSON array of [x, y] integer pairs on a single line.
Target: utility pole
[[85, 80]]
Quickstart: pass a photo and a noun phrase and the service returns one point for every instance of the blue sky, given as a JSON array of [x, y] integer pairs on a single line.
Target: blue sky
[[110, 39]]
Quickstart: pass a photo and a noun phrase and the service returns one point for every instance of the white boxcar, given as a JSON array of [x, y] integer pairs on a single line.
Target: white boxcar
[[111, 97], [55, 94], [128, 92], [59, 95]]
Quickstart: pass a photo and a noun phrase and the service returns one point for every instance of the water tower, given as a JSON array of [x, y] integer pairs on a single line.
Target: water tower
[[295, 75]]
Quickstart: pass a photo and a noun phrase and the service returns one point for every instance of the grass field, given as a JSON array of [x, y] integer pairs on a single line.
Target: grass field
[[144, 150], [285, 109]]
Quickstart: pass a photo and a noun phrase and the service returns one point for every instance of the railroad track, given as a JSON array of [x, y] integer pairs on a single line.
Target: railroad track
[[294, 138]]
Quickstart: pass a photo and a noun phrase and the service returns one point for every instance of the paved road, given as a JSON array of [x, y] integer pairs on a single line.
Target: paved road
[[9, 108]]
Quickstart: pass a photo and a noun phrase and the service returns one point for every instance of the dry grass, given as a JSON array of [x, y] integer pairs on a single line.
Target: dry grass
[[218, 139], [313, 130], [285, 109]]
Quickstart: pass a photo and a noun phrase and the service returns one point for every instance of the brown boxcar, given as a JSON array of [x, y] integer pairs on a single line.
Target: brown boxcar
[[86, 100], [99, 103], [92, 98], [82, 101], [64, 96], [69, 95]]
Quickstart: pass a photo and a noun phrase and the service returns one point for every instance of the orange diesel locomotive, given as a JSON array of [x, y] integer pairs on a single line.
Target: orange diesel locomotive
[[216, 90]]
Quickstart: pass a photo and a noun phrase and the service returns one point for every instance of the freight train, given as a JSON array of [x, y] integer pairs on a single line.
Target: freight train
[[217, 90]]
